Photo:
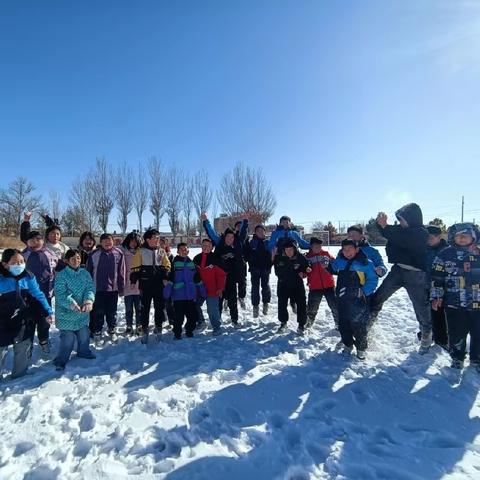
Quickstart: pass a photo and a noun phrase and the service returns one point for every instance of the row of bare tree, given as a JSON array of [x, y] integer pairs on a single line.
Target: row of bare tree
[[151, 186]]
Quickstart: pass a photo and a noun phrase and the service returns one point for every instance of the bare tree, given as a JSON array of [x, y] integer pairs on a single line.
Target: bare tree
[[54, 207], [202, 194], [82, 210], [318, 226], [188, 203], [17, 199], [140, 196], [158, 190], [246, 190], [124, 186], [102, 184], [174, 200]]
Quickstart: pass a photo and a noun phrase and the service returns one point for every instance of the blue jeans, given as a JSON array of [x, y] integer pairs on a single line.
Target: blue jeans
[[132, 302], [213, 310], [22, 353], [260, 277], [67, 342]]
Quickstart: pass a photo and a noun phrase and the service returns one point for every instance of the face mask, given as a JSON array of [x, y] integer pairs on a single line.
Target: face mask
[[16, 270]]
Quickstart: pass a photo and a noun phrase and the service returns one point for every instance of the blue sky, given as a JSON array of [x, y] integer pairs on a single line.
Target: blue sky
[[350, 107]]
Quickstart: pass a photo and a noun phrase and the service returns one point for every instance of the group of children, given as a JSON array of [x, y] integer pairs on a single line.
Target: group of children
[[442, 280]]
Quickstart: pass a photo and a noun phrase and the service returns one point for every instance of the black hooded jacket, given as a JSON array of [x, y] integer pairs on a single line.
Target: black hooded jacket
[[408, 245]]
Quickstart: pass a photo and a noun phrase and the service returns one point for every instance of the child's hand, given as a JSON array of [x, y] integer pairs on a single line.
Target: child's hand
[[382, 219], [219, 293], [379, 271], [436, 304], [75, 307], [27, 216], [51, 319], [203, 216], [309, 270], [165, 283], [324, 261], [87, 307]]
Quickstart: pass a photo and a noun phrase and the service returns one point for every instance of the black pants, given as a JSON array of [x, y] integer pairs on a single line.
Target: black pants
[[230, 293], [42, 327], [439, 327], [146, 297], [242, 283], [296, 294], [352, 321], [104, 309], [182, 309], [461, 323], [260, 277], [170, 311], [415, 284], [315, 299]]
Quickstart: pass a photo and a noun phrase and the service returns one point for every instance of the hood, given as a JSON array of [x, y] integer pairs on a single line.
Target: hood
[[467, 227], [412, 213]]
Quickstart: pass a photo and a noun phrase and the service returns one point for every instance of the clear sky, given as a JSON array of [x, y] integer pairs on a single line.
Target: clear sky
[[350, 107]]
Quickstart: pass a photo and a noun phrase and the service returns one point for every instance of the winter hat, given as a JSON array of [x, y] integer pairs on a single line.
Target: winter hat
[[151, 232], [355, 228], [316, 241], [34, 234], [261, 226], [105, 236], [290, 243], [347, 241], [434, 230], [466, 228]]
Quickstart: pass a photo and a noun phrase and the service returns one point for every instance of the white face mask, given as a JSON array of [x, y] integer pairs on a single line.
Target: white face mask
[[16, 270]]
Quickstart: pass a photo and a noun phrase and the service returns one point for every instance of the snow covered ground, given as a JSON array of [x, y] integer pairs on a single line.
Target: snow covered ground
[[247, 405]]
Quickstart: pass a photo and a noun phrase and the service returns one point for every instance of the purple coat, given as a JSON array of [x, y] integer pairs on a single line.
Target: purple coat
[[107, 268], [41, 263], [184, 282]]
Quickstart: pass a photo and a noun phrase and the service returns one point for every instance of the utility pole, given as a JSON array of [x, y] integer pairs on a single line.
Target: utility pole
[[463, 204]]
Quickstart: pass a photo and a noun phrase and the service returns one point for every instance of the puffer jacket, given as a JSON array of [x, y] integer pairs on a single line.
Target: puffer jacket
[[184, 281]]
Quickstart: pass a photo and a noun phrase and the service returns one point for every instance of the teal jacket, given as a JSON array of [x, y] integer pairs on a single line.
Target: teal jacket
[[72, 286]]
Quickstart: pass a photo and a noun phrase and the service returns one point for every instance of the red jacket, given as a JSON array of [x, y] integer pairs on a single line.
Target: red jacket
[[211, 272], [319, 278]]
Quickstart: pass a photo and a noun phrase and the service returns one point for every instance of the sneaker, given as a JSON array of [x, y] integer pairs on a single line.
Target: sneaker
[[425, 343], [294, 308], [45, 347], [301, 331], [282, 327], [139, 330], [112, 332], [309, 323], [97, 340], [217, 331], [129, 330], [256, 311], [265, 309], [242, 303], [457, 364], [361, 354]]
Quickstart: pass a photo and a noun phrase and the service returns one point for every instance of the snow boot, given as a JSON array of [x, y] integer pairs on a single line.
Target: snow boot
[[425, 343], [361, 354], [46, 350]]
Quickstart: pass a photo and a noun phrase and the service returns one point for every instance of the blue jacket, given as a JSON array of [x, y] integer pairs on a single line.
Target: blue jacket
[[280, 235], [184, 282], [365, 276], [10, 324], [374, 255], [72, 286]]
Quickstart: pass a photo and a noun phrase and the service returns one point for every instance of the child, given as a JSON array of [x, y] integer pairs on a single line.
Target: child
[[435, 244], [17, 320], [86, 246], [150, 267], [41, 262], [242, 279], [291, 267], [165, 244], [406, 249], [320, 282], [53, 235], [260, 263], [213, 276], [356, 280], [456, 287], [283, 232], [355, 233], [184, 288], [129, 247], [74, 296], [106, 265], [229, 247]]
